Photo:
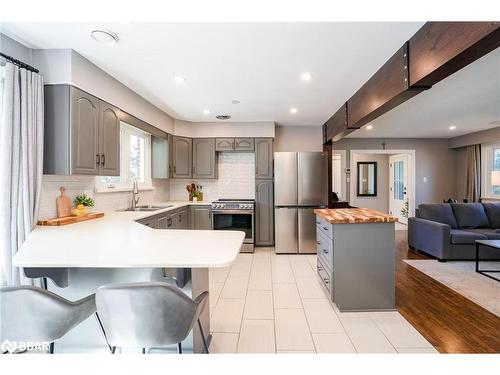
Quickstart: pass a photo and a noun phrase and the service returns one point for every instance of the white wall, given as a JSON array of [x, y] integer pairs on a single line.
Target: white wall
[[236, 179], [224, 129], [68, 66], [381, 201], [298, 138]]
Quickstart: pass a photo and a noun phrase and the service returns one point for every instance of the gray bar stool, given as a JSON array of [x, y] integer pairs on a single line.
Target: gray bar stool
[[148, 315], [29, 313]]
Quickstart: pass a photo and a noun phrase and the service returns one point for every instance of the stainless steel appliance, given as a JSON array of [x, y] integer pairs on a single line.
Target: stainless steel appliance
[[235, 214], [300, 186]]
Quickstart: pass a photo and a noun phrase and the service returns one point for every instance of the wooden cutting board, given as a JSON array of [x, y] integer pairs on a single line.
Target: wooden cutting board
[[70, 219], [63, 204]]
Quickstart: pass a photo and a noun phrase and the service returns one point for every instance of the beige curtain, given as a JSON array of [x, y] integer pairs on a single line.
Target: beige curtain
[[473, 173]]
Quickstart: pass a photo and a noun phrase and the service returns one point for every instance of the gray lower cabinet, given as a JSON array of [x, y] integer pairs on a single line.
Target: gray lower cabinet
[[356, 263], [263, 158], [162, 221], [204, 158], [264, 213], [201, 217], [182, 157], [224, 144], [244, 144], [81, 133]]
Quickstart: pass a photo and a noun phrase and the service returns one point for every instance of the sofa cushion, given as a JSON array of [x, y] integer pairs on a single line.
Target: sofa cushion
[[492, 234], [493, 212], [465, 237], [470, 215], [440, 212]]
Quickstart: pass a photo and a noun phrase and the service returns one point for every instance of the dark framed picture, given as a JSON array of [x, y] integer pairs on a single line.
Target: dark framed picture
[[366, 179]]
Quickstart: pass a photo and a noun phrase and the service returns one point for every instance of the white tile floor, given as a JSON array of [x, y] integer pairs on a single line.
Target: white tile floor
[[268, 303]]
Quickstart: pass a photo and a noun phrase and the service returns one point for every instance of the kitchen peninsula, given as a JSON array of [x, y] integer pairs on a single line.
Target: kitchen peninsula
[[356, 252], [117, 248]]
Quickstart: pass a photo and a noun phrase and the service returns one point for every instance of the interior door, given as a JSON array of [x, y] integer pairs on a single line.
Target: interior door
[[398, 188], [285, 222], [307, 231]]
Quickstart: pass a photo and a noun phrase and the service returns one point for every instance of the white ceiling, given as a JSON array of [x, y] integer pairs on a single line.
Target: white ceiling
[[256, 63], [468, 100]]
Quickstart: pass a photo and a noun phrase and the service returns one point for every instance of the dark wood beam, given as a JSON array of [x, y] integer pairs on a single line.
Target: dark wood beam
[[336, 126], [386, 89], [439, 49]]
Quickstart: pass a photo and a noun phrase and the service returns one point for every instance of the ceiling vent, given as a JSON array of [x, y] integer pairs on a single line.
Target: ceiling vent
[[223, 117]]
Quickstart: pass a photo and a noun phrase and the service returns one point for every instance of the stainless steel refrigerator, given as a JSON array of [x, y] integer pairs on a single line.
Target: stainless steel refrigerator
[[300, 186]]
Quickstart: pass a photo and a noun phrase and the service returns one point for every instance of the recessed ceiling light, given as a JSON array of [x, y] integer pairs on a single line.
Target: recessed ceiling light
[[306, 76], [293, 110], [452, 127], [369, 127], [179, 79], [104, 37], [206, 111], [236, 101]]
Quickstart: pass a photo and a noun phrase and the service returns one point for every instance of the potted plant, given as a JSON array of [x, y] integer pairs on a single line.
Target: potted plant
[[82, 203]]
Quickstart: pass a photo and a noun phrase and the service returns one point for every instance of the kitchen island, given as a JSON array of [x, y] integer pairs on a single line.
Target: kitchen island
[[356, 258], [117, 248]]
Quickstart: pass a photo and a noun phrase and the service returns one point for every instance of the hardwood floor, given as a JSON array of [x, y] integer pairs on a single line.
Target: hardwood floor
[[449, 321]]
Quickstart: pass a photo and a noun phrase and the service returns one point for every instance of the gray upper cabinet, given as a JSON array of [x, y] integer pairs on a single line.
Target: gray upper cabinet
[[85, 155], [204, 158], [201, 217], [263, 158], [109, 140], [244, 144], [264, 213], [181, 157], [224, 144], [81, 134]]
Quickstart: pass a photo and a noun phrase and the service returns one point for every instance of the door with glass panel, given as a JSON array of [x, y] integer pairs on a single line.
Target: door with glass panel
[[398, 188]]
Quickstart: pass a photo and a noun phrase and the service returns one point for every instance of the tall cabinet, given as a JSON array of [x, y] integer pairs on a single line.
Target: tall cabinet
[[264, 196], [82, 133]]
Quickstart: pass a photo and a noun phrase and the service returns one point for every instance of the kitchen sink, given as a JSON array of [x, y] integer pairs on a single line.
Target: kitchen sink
[[146, 208]]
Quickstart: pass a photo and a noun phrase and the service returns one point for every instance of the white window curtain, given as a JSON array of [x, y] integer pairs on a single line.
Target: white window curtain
[[21, 162]]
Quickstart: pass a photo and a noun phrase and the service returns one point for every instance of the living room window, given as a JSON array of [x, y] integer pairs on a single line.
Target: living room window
[[490, 165], [135, 162]]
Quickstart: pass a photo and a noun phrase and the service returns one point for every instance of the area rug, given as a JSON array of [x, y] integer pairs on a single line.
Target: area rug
[[463, 279]]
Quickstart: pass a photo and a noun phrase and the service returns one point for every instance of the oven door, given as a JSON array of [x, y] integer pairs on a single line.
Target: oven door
[[241, 220]]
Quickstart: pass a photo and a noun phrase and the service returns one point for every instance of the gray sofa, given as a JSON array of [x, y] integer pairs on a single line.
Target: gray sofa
[[448, 231]]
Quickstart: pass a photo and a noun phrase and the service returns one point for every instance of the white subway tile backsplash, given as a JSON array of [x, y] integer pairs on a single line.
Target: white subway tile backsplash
[[236, 179], [75, 185]]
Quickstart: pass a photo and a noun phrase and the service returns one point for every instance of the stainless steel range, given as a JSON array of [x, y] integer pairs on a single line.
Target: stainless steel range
[[235, 214]]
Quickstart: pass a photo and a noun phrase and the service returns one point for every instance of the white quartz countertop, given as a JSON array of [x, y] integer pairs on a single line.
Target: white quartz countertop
[[118, 241]]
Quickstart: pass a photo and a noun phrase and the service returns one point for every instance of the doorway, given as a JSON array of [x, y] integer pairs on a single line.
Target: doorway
[[398, 187], [387, 199]]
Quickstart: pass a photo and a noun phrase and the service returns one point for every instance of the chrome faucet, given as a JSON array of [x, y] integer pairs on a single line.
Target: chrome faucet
[[135, 193]]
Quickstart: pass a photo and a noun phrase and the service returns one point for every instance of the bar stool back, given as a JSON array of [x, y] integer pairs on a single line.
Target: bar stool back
[[148, 314], [29, 313]]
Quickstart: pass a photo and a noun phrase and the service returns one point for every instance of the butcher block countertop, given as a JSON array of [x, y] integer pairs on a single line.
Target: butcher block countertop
[[354, 216]]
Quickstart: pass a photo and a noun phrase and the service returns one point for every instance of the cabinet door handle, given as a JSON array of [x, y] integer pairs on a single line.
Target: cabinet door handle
[[325, 228], [175, 169], [327, 281], [103, 160], [325, 251], [317, 222], [318, 242], [320, 268], [97, 159]]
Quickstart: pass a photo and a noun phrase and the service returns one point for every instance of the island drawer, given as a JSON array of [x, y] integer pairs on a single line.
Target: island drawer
[[324, 275], [324, 226], [324, 247]]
